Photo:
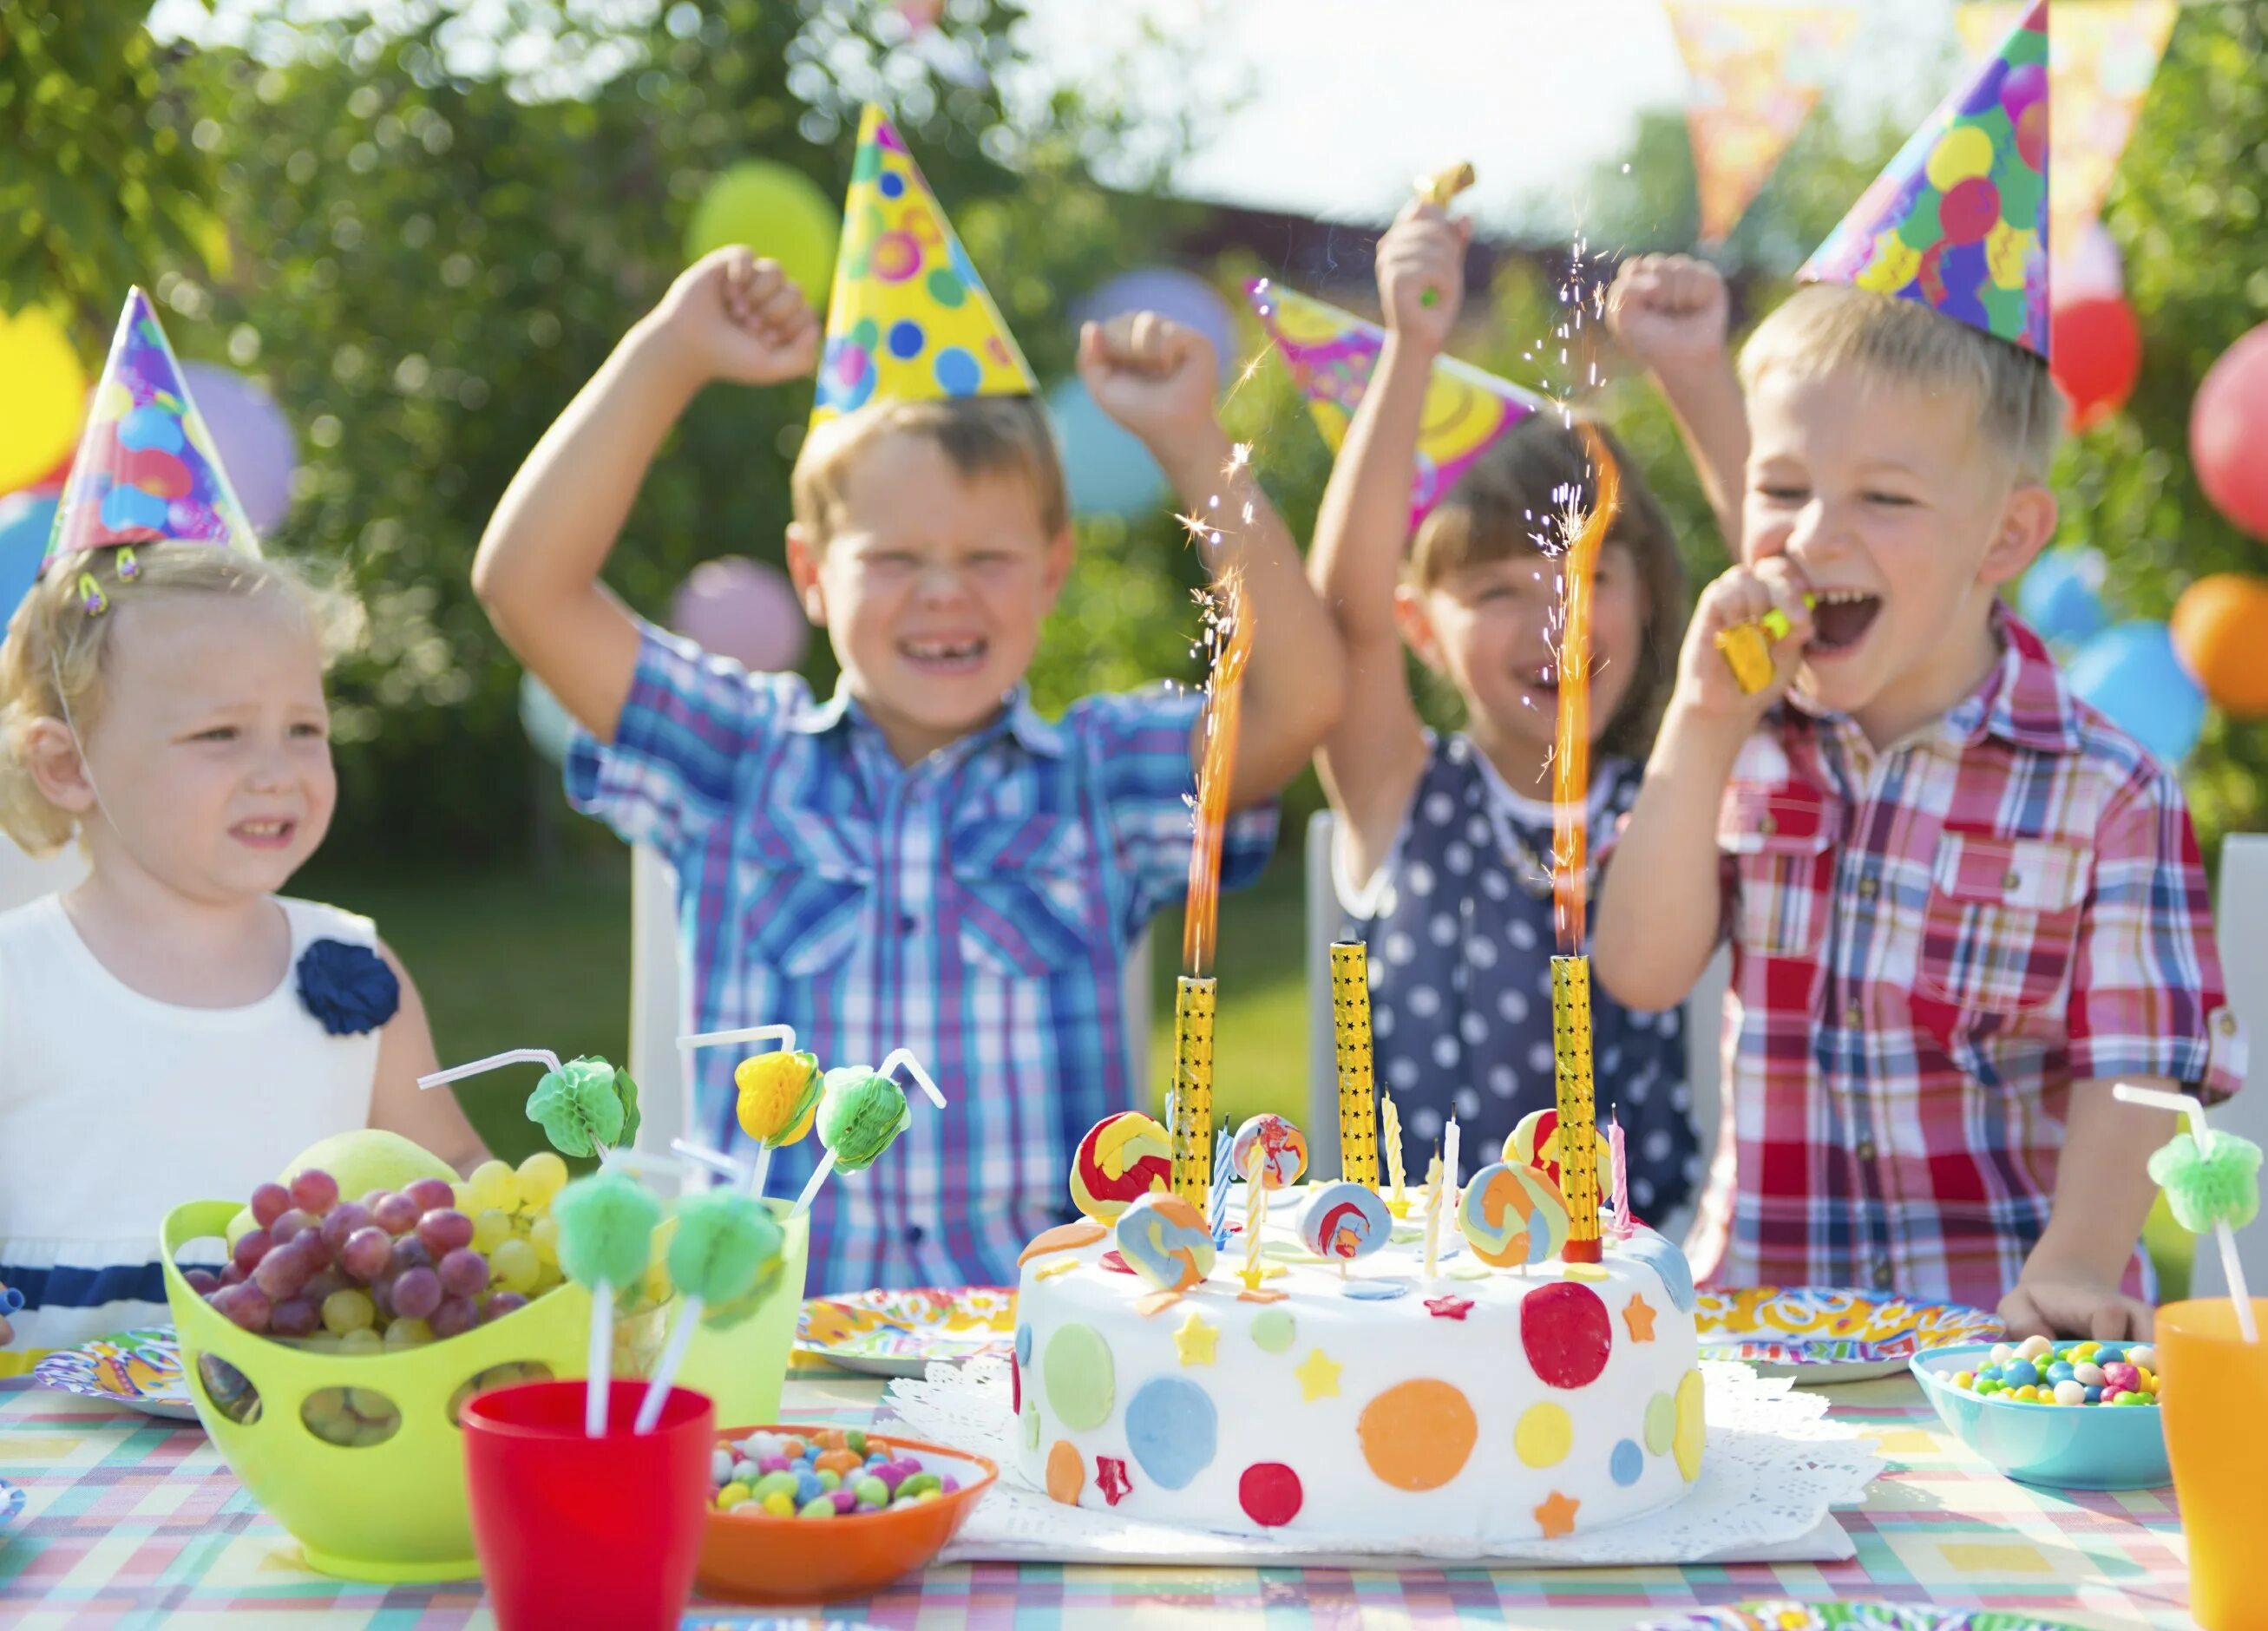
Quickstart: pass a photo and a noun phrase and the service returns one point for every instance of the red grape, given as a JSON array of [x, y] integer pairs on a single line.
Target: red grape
[[342, 1221], [371, 1198], [464, 1272], [267, 1203], [409, 1253], [396, 1214], [245, 1304], [295, 1317], [251, 1246], [416, 1294], [367, 1253], [202, 1280], [319, 1252], [505, 1303], [232, 1273], [284, 1272], [291, 1224], [454, 1317], [430, 1194], [381, 1298], [445, 1229], [315, 1191], [324, 1282]]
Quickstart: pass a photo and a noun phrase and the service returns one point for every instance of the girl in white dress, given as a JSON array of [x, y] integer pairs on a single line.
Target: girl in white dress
[[172, 1028]]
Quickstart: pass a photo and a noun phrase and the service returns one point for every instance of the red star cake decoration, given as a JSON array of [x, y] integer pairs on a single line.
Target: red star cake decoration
[[1558, 1515], [1448, 1307], [1110, 1478]]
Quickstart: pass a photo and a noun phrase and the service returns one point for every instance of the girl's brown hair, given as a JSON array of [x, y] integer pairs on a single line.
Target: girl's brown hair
[[1513, 500]]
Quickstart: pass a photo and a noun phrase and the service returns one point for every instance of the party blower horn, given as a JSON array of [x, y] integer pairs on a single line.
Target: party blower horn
[[2212, 1181]]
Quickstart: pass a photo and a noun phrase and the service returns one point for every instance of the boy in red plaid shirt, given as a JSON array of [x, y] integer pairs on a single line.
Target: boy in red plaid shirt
[[1960, 902]]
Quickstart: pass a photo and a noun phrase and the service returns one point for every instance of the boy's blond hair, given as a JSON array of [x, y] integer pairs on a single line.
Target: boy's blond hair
[[56, 656], [1822, 328], [978, 435]]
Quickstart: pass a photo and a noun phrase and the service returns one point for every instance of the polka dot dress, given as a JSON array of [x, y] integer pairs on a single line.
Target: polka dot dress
[[1461, 985]]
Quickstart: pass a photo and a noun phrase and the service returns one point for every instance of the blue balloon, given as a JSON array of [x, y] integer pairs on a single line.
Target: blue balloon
[[2061, 597], [1110, 471], [1184, 296], [548, 724], [25, 521], [2131, 673]]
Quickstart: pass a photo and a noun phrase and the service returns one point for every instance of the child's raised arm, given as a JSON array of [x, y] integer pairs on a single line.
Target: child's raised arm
[[1672, 312], [1157, 379], [1372, 759], [729, 316]]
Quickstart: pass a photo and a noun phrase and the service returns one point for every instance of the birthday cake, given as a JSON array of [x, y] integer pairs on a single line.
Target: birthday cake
[[1332, 1383]]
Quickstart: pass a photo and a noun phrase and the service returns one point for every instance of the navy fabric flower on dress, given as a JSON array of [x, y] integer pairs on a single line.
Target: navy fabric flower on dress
[[347, 987]]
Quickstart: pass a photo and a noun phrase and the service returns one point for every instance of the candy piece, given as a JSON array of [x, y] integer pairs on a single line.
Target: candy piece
[[2215, 1183], [1122, 1159], [2086, 1374], [1164, 1239], [584, 1103], [1510, 1215], [2070, 1392], [779, 1095], [1285, 1146], [2142, 1356], [2120, 1376], [1345, 1221], [732, 1494], [2033, 1347], [2060, 1371], [818, 1506], [2019, 1373], [606, 1229], [859, 1114]]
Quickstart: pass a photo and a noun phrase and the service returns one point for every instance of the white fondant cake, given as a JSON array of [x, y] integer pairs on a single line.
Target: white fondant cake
[[1495, 1403]]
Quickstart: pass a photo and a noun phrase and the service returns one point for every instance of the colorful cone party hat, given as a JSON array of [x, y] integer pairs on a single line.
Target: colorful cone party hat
[[1332, 354], [1959, 221], [909, 318], [147, 471]]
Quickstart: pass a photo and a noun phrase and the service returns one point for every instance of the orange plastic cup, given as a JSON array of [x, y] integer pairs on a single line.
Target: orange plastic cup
[[2215, 1401]]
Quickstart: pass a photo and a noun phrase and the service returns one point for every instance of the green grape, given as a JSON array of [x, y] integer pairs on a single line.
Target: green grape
[[366, 1341], [515, 1267], [543, 1235], [491, 1229], [348, 1310], [542, 1177], [494, 1186], [409, 1333]]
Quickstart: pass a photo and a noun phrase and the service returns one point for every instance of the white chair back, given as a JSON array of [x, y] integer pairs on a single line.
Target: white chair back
[[24, 878], [2243, 931]]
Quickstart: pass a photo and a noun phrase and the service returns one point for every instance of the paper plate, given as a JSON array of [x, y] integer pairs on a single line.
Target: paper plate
[[140, 1369], [1846, 1616], [1830, 1333], [898, 1333]]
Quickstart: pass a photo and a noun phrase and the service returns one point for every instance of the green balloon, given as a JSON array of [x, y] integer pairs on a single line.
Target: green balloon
[[777, 212]]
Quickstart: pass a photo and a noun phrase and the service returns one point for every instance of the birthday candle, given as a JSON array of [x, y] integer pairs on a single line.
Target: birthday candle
[[1579, 1153], [1192, 1129], [1350, 1026], [1434, 1197], [1223, 1175], [1256, 1213], [1619, 1162], [1392, 1135], [1449, 1161]]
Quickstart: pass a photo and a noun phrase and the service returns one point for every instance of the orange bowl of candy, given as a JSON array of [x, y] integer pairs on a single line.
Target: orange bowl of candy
[[800, 1515]]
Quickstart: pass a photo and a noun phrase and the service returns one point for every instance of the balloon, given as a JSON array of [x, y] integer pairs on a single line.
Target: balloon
[[1170, 292], [1109, 470], [742, 609], [2131, 674], [43, 400], [776, 211], [25, 521], [549, 725], [252, 438], [2228, 428], [2095, 347], [2092, 268], [2061, 597], [2217, 626]]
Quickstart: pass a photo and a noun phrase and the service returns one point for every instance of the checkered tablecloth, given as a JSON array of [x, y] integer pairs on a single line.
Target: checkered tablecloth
[[134, 1521]]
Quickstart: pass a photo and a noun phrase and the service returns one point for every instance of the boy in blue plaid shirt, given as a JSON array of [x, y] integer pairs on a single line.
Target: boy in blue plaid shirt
[[920, 860]]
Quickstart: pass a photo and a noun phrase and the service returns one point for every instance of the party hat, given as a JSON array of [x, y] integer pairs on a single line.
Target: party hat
[[1332, 354], [1959, 221], [909, 318], [147, 471]]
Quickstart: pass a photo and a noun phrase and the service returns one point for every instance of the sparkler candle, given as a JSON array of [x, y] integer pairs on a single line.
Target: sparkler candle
[[1398, 1203], [1350, 1026], [1193, 1011]]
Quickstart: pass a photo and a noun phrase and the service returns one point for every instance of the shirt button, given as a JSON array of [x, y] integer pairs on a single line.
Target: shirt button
[[1767, 827], [1866, 887], [915, 1234], [2011, 879], [1866, 1150], [2226, 1023], [1882, 1276], [907, 921], [1853, 1015]]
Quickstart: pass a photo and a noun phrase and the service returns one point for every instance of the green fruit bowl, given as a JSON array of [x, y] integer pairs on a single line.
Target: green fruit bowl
[[361, 1457]]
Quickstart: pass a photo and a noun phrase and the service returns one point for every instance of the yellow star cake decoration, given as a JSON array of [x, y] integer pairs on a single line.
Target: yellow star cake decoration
[[1319, 1375]]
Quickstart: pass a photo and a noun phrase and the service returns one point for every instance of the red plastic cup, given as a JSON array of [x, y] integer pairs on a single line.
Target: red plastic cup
[[574, 1530]]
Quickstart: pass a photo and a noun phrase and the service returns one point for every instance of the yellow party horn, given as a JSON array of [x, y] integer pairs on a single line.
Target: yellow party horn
[[1747, 646]]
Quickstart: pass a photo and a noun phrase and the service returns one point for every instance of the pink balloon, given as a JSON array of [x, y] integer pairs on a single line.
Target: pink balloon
[[745, 610], [252, 438], [2228, 426]]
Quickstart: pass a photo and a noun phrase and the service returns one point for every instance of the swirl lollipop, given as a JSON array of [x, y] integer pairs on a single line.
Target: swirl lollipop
[[1535, 1142], [1345, 1221], [606, 1236], [1165, 1241], [1286, 1148], [1513, 1215], [1122, 1159], [861, 1113]]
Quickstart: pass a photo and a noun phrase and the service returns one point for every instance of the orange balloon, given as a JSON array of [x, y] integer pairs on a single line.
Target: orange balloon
[[2216, 628]]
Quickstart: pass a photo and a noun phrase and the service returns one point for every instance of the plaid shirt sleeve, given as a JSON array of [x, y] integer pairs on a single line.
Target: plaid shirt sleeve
[[683, 736], [2148, 996], [1140, 741]]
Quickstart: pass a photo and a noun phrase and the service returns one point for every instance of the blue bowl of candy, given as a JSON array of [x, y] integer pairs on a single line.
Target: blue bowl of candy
[[2085, 1443]]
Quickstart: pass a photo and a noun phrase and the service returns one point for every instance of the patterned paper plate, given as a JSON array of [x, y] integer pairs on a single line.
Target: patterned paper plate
[[140, 1369], [1846, 1616], [898, 1333], [1830, 1334]]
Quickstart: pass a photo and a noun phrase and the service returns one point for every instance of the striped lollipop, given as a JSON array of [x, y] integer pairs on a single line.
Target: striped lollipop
[[1164, 1240], [1345, 1221], [1122, 1159], [1513, 1215], [1535, 1142]]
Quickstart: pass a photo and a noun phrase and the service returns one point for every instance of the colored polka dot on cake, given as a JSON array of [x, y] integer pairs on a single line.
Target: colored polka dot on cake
[[1269, 1493], [1031, 1425], [1567, 1333], [1023, 1345], [1661, 1423], [1172, 1428], [1544, 1435], [1418, 1435], [1080, 1382], [1626, 1463], [1274, 1330], [1691, 1429], [1066, 1472]]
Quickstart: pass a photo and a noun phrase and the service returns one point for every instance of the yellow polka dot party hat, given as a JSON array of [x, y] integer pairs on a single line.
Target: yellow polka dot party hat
[[908, 320]]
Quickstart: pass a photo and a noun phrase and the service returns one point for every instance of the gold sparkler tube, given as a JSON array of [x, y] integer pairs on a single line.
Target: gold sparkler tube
[[1192, 1130], [1351, 1023], [1579, 1124]]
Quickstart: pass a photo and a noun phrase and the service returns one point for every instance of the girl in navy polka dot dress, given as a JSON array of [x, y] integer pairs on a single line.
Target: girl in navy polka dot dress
[[1443, 855]]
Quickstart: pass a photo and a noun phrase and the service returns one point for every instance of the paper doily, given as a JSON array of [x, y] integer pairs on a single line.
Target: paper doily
[[1774, 1467]]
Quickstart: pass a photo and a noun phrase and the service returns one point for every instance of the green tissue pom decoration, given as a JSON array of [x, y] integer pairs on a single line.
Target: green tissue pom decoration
[[770, 1246], [859, 1114], [2217, 1182], [584, 1106], [606, 1229], [720, 1245]]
